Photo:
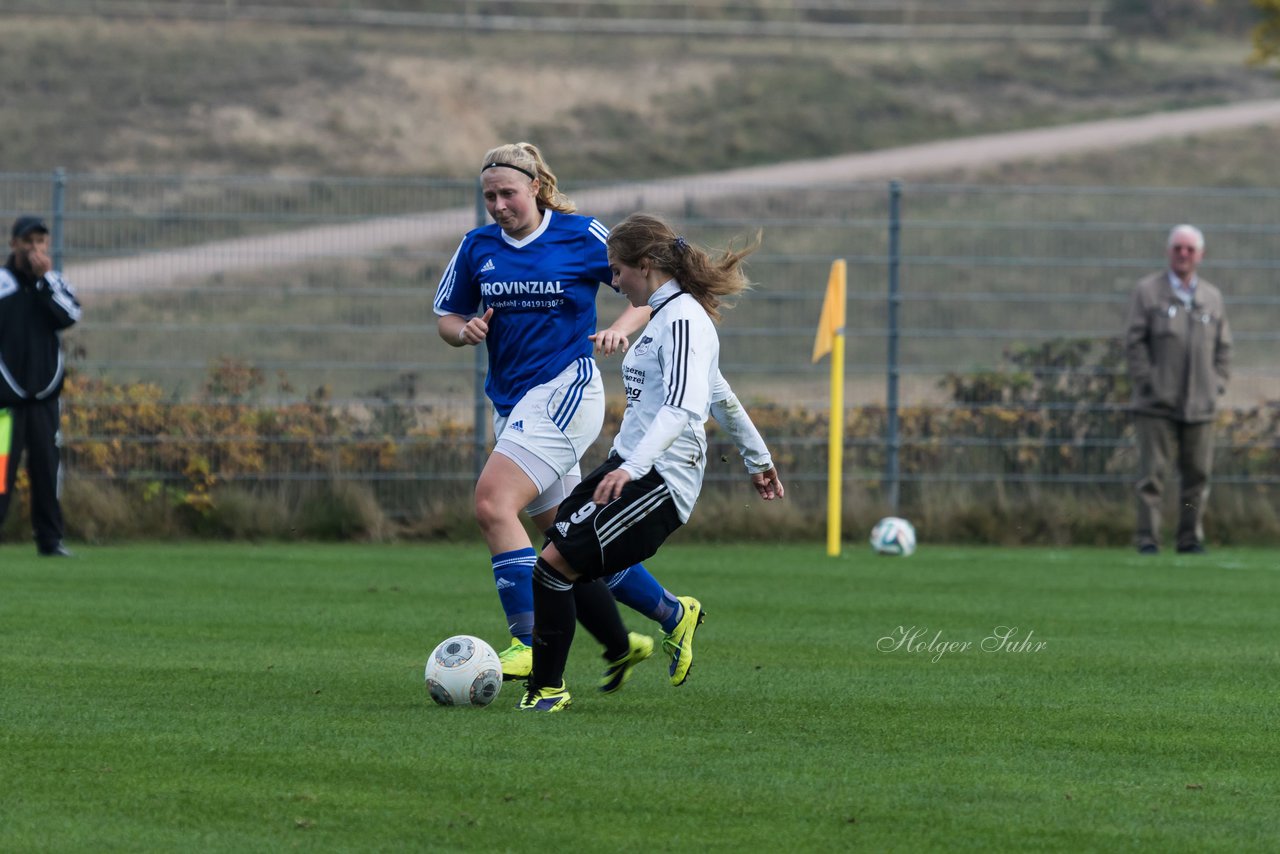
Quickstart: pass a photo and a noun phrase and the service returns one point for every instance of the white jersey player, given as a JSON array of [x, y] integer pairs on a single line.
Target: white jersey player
[[624, 510]]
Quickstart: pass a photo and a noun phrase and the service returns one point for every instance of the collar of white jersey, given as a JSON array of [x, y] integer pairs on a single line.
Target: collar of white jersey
[[666, 292], [537, 232]]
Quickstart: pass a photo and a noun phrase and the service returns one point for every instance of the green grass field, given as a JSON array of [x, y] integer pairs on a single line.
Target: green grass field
[[259, 698]]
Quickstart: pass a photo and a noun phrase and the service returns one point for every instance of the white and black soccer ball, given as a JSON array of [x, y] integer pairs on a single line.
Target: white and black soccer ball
[[464, 671], [894, 537]]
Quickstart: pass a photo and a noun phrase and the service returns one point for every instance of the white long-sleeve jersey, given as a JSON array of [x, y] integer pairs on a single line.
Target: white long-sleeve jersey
[[672, 380], [729, 413]]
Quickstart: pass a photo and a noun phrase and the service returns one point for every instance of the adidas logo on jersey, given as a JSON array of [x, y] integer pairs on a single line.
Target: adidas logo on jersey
[[518, 426], [563, 528], [488, 266]]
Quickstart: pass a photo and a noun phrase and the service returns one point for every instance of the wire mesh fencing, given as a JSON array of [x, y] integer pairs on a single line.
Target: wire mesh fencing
[[261, 331]]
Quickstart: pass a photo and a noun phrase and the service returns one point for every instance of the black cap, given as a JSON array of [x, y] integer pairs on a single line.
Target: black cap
[[24, 225]]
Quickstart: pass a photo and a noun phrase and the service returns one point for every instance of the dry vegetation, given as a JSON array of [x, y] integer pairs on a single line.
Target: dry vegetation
[[139, 96]]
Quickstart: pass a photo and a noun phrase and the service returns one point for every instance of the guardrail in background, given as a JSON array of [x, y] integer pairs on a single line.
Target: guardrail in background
[[893, 20]]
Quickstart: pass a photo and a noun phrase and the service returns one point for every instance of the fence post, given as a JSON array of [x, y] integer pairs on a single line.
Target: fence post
[[480, 423], [892, 438], [59, 214]]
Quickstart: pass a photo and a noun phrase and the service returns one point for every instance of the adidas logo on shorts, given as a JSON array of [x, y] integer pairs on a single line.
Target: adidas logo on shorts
[[563, 528], [518, 426], [488, 266]]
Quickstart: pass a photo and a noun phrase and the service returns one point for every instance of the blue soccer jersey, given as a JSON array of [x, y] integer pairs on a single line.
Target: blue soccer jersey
[[542, 290]]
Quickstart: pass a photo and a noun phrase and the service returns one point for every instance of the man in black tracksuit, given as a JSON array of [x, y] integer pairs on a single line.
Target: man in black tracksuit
[[35, 305]]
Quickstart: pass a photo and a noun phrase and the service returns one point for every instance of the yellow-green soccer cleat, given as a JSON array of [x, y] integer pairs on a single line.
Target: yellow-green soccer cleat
[[679, 643], [618, 671], [546, 700], [517, 660]]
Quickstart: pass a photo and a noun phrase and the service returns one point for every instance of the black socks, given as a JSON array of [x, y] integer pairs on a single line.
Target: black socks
[[558, 605], [598, 613], [554, 619]]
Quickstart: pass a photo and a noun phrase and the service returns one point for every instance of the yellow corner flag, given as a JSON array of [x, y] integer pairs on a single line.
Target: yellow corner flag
[[830, 339], [831, 323]]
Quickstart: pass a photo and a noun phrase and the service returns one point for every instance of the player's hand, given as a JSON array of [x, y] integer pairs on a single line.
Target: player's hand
[[476, 329], [610, 486], [610, 341], [767, 484]]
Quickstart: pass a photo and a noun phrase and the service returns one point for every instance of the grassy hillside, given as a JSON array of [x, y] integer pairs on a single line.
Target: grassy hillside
[[217, 98]]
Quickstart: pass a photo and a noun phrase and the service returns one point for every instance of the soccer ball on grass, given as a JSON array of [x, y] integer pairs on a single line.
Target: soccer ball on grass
[[464, 671], [893, 536]]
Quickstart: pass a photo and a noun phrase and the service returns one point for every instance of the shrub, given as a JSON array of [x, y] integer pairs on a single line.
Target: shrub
[[1035, 451]]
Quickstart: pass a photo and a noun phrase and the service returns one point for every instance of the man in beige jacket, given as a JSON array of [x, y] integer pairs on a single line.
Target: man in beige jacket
[[1178, 345]]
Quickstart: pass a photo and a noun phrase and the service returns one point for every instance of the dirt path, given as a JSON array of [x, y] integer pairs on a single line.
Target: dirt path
[[166, 269]]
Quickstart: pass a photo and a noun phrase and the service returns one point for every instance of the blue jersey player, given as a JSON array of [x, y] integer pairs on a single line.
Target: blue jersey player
[[525, 286]]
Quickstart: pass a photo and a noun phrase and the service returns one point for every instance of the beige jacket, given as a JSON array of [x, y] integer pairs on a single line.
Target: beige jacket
[[1179, 360]]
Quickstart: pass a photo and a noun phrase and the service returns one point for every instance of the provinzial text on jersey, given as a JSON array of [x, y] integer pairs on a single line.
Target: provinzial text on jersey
[[502, 289]]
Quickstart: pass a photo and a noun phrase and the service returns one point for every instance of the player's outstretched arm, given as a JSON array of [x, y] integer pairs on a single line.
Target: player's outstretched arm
[[617, 338], [730, 414]]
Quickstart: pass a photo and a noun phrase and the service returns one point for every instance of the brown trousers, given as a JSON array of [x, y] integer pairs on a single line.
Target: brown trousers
[[1190, 446]]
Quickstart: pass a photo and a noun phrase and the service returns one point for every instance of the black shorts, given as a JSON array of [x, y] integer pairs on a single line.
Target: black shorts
[[599, 540]]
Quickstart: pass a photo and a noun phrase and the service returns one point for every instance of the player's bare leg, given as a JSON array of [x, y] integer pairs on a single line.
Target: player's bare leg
[[502, 492]]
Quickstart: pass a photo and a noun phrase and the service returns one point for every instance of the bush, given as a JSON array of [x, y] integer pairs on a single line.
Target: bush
[[342, 511], [1036, 451]]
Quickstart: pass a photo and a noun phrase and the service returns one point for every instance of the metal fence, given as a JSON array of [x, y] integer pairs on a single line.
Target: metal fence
[[260, 331]]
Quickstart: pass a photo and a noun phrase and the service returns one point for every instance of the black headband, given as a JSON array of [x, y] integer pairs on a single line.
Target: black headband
[[532, 177]]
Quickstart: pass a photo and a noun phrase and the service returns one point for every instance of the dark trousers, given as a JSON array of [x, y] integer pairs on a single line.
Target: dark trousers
[[35, 431], [1162, 441]]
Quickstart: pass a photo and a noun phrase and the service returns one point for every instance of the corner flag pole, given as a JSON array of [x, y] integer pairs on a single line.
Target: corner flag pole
[[830, 339]]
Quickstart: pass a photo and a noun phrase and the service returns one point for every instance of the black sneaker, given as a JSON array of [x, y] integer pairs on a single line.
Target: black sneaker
[[58, 550], [1193, 549], [1148, 549]]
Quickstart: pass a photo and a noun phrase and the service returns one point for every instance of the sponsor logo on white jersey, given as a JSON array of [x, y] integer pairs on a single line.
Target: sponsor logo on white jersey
[[488, 266]]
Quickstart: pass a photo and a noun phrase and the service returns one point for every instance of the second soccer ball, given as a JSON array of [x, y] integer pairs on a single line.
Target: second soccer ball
[[893, 536]]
